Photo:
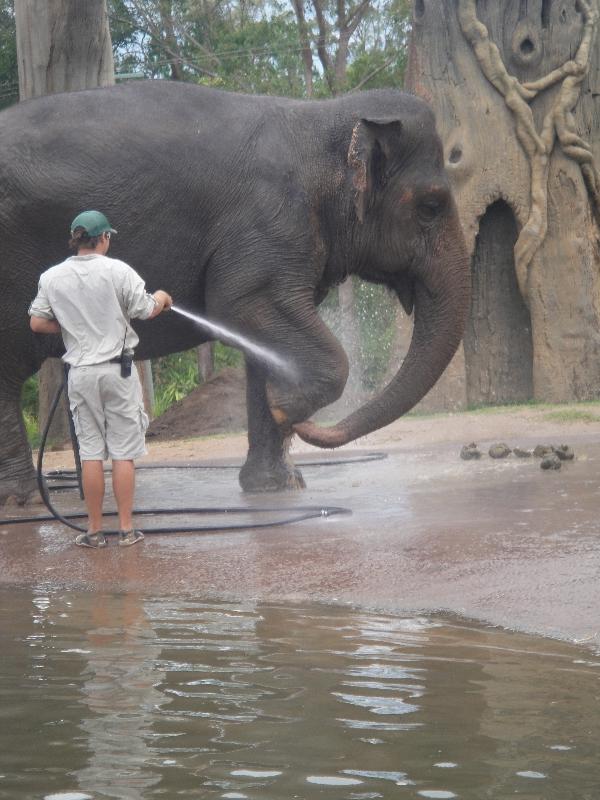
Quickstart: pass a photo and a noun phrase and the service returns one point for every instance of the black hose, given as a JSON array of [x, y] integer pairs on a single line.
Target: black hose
[[305, 512], [68, 474], [41, 482], [297, 513]]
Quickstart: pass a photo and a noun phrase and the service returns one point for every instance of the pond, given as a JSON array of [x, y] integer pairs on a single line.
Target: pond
[[108, 695]]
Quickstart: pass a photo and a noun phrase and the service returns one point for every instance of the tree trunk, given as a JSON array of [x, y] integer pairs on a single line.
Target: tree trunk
[[304, 37], [144, 369], [206, 360], [513, 86], [170, 39], [62, 46]]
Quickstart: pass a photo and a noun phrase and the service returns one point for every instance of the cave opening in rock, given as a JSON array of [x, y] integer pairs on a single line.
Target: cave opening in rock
[[498, 340]]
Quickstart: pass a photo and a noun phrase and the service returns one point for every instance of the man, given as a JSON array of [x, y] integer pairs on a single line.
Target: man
[[90, 299]]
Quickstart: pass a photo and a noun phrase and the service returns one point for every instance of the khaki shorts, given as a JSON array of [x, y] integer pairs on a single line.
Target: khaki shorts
[[108, 412]]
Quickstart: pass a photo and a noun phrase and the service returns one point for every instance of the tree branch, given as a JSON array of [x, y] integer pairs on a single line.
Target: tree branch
[[306, 52], [321, 48], [372, 74]]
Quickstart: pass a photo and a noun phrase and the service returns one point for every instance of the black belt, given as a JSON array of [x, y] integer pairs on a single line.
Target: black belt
[[115, 360]]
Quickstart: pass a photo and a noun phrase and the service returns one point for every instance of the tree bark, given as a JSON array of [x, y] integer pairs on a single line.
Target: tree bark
[[513, 87], [62, 46], [170, 39], [206, 360], [144, 369], [307, 59]]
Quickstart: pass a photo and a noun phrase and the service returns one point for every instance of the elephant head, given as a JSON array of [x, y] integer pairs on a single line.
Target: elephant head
[[407, 237]]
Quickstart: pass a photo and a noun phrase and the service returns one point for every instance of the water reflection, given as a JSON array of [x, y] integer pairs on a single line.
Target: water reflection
[[126, 697], [119, 695]]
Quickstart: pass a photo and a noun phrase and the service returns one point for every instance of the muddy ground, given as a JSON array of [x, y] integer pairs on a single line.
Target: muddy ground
[[498, 541], [218, 406]]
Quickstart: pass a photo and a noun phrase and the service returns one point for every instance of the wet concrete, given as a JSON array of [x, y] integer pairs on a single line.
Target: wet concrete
[[497, 541]]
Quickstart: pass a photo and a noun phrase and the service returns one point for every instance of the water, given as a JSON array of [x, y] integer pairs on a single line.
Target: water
[[126, 696], [263, 354]]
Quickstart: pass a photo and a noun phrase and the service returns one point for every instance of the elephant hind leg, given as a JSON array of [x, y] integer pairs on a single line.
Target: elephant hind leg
[[17, 475]]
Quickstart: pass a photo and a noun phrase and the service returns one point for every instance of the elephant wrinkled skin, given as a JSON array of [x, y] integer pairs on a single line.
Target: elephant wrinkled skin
[[247, 209]]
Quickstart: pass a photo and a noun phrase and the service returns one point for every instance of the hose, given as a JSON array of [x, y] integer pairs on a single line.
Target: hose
[[296, 513]]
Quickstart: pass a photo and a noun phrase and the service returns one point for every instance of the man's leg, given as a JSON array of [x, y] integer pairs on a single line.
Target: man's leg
[[123, 481], [93, 489]]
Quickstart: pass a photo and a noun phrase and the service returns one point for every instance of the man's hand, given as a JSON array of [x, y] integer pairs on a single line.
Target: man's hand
[[43, 325], [164, 302]]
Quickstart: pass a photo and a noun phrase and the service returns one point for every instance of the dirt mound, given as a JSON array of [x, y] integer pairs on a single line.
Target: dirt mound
[[217, 406]]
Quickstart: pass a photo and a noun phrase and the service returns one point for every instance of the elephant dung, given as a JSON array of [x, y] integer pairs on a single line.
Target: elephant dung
[[469, 452], [551, 462], [564, 452], [499, 450], [520, 453]]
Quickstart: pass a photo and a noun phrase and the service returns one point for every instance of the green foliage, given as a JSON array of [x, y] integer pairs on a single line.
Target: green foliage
[[227, 357], [567, 415], [566, 412], [174, 377], [29, 406], [377, 69], [252, 46], [378, 53], [32, 429], [242, 46], [29, 395], [260, 57]]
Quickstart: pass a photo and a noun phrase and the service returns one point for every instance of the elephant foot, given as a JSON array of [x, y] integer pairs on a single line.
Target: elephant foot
[[18, 492], [256, 476]]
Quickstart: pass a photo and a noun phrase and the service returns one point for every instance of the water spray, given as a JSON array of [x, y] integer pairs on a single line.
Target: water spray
[[242, 343]]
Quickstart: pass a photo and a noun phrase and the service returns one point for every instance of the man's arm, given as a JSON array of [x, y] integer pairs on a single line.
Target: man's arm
[[137, 302], [163, 302], [43, 325]]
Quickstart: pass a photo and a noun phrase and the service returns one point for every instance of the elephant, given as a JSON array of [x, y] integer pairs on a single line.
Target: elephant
[[247, 209]]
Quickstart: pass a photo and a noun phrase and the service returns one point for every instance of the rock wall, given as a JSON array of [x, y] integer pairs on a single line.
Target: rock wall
[[521, 139]]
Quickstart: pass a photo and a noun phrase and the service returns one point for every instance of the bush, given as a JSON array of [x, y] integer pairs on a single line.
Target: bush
[[29, 396], [29, 406], [32, 429], [176, 375]]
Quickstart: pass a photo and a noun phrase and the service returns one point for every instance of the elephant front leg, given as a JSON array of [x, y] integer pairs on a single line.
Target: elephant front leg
[[268, 466], [17, 475]]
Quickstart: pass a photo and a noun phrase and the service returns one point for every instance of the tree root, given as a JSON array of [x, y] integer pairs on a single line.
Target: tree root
[[559, 123]]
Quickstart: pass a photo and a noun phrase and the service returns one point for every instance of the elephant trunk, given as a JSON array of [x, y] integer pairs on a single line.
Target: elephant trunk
[[442, 298]]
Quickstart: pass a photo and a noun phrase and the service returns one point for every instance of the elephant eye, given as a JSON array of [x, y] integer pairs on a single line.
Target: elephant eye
[[432, 205]]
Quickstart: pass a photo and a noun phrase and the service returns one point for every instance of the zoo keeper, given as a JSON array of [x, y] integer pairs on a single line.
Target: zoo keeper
[[90, 299]]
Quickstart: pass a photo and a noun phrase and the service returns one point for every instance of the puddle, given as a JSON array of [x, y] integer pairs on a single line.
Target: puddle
[[125, 696]]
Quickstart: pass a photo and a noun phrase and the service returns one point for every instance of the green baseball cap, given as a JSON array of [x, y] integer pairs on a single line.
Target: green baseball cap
[[93, 222]]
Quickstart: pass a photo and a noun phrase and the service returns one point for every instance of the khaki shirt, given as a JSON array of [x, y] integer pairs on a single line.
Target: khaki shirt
[[93, 297]]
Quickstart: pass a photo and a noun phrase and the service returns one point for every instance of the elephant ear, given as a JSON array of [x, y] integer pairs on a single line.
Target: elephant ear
[[372, 146]]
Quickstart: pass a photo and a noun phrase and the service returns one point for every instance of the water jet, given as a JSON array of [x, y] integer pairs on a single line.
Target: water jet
[[243, 343]]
